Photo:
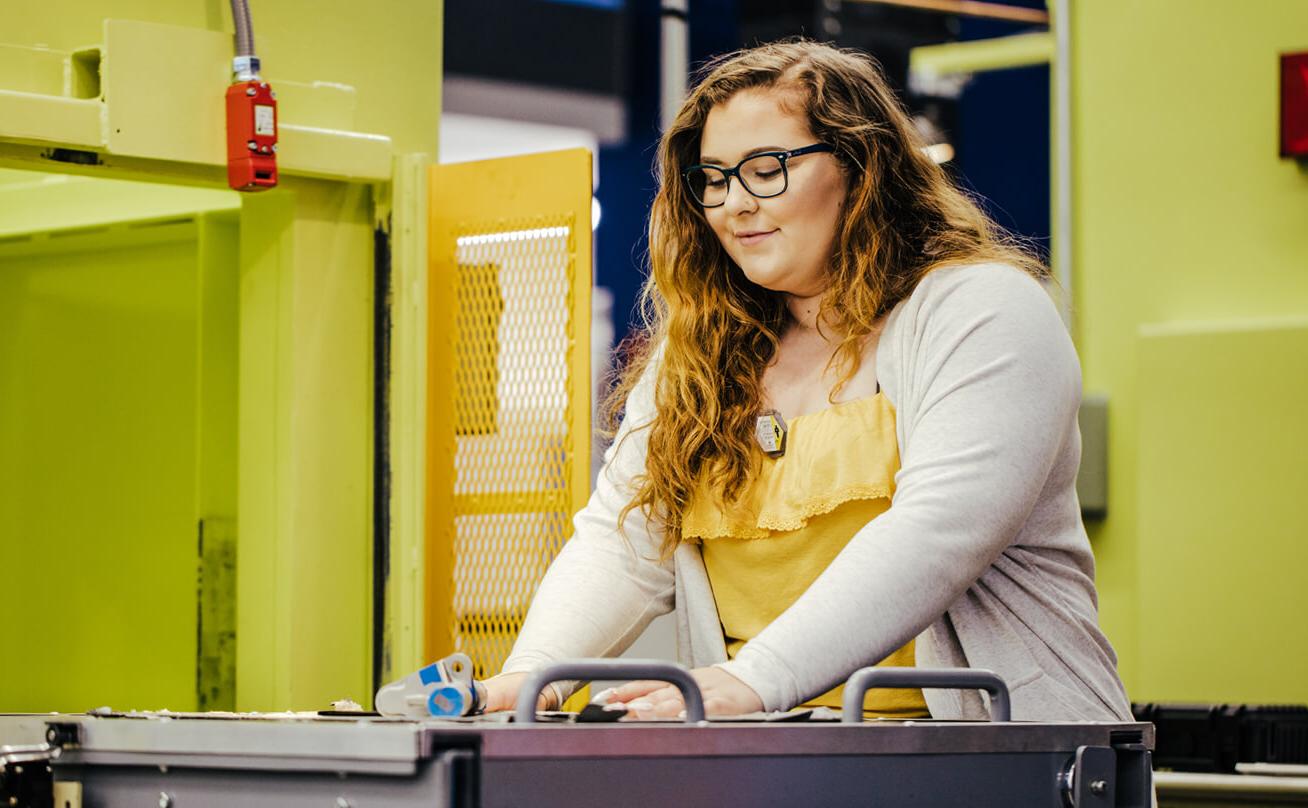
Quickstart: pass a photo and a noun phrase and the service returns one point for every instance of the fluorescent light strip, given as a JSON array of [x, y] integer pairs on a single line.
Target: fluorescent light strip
[[513, 235]]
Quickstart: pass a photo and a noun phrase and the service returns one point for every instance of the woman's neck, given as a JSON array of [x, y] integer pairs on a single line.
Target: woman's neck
[[805, 313]]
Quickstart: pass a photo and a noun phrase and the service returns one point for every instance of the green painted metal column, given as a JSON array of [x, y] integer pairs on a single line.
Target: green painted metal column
[[304, 526]]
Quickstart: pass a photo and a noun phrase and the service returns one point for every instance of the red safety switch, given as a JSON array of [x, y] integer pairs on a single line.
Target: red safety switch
[[1294, 105], [251, 136]]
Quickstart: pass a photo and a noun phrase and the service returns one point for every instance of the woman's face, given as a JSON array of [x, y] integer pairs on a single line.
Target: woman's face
[[782, 243]]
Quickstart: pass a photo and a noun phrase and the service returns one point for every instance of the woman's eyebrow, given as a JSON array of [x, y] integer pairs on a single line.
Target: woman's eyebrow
[[750, 153]]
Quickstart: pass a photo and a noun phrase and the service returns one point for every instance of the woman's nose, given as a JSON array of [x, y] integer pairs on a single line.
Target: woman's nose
[[738, 199]]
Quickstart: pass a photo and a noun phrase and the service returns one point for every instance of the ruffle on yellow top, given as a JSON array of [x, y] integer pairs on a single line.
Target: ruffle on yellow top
[[843, 453]]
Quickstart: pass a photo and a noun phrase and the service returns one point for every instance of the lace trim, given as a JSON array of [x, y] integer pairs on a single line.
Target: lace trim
[[768, 525], [818, 506]]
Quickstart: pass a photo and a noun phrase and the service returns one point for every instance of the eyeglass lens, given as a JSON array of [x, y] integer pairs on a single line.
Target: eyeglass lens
[[762, 176]]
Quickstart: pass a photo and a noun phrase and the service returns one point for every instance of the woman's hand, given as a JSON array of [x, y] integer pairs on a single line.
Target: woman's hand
[[502, 693], [723, 693]]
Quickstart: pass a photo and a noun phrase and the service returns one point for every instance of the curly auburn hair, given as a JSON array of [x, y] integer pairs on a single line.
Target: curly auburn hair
[[714, 332]]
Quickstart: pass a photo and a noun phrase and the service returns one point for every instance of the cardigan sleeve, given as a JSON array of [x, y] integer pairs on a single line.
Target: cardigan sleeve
[[606, 585], [987, 383]]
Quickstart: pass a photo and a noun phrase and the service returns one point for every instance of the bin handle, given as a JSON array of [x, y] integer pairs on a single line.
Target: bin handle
[[671, 672], [865, 679]]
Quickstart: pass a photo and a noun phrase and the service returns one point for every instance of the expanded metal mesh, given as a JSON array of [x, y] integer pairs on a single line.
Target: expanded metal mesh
[[514, 423]]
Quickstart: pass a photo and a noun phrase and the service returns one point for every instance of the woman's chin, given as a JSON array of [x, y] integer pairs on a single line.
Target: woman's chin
[[765, 277]]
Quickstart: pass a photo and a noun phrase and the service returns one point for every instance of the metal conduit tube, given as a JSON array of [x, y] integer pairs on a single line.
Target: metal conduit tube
[[244, 30], [246, 64]]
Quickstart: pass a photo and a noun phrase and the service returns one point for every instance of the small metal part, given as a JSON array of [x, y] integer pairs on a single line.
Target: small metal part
[[246, 68], [165, 799], [341, 802], [33, 753], [1086, 779], [253, 146], [25, 774], [1065, 779], [250, 91]]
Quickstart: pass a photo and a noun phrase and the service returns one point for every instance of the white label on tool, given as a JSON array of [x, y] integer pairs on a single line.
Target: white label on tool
[[263, 120]]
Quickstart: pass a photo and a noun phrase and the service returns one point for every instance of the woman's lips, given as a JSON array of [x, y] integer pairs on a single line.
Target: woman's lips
[[749, 239]]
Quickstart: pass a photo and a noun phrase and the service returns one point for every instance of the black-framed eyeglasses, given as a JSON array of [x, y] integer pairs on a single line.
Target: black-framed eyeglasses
[[763, 175]]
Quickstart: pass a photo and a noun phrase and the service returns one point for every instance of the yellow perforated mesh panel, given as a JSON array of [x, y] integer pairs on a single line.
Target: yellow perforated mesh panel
[[510, 418], [512, 501]]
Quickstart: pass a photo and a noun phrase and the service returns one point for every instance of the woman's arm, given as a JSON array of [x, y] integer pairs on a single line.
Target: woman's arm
[[605, 586], [991, 385]]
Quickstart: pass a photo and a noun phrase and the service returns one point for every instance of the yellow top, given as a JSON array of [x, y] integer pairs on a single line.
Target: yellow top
[[794, 516]]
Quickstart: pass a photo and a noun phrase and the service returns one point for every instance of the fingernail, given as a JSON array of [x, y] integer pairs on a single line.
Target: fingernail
[[639, 704]]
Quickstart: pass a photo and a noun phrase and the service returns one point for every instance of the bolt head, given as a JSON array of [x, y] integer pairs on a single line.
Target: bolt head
[[165, 800], [274, 148], [249, 91], [1098, 787], [253, 146]]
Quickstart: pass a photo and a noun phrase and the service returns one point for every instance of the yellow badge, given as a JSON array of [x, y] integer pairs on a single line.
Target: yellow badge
[[770, 430]]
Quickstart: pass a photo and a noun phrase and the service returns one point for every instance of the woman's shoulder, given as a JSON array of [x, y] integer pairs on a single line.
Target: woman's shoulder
[[978, 284], [954, 297], [980, 313]]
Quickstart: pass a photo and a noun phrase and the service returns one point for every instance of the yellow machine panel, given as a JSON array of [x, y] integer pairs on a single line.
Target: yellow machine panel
[[509, 390]]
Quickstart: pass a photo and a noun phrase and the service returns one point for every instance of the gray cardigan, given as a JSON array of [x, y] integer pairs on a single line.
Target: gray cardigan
[[982, 555]]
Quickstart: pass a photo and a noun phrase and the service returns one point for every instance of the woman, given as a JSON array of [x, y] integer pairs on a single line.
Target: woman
[[851, 437]]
